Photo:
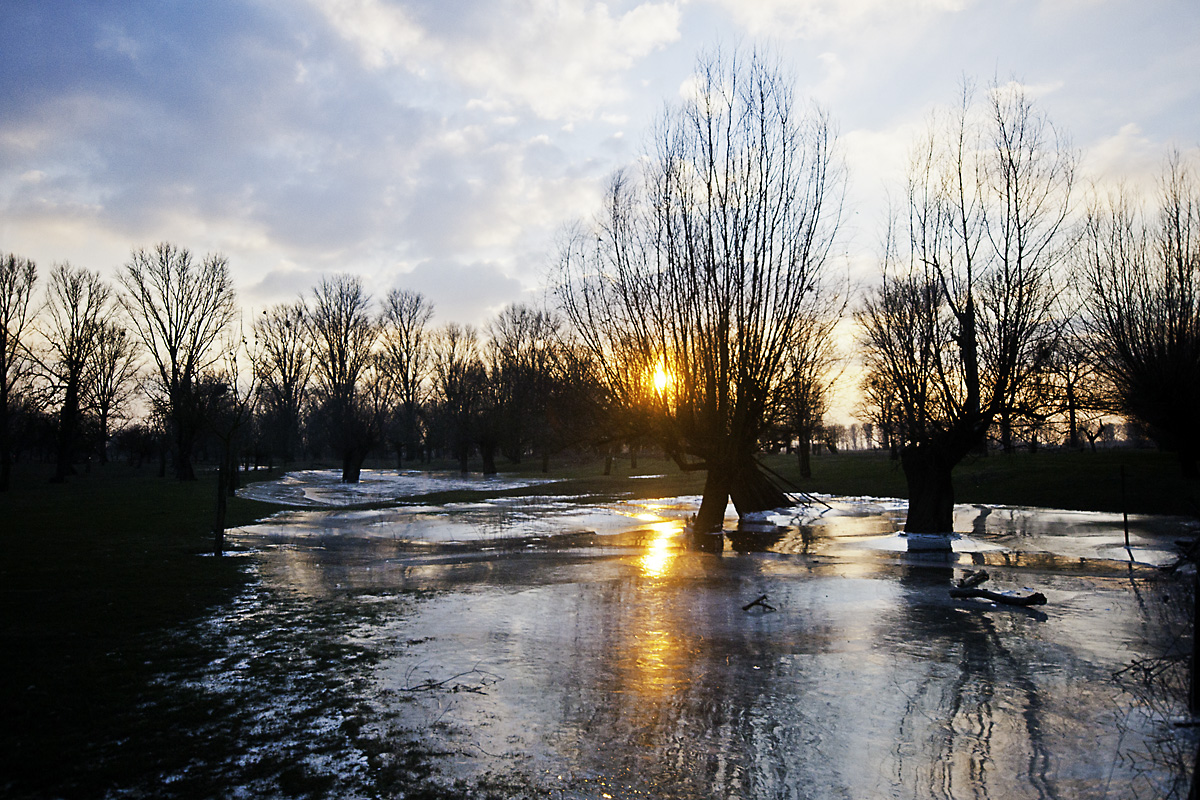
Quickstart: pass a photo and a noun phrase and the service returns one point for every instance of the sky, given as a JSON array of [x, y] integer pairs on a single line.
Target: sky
[[444, 146]]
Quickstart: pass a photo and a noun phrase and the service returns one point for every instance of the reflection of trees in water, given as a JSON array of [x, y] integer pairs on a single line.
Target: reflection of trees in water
[[974, 724], [1155, 691]]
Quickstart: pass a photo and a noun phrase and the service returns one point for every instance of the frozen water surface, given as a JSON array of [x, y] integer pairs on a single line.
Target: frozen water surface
[[565, 647]]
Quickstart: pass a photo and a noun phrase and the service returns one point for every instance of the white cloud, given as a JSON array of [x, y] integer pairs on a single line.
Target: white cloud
[[806, 19], [559, 58]]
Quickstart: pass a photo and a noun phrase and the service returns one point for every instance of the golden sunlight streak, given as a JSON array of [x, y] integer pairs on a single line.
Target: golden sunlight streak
[[660, 550]]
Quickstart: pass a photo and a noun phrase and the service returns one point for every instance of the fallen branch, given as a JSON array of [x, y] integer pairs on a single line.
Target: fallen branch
[[761, 602], [1035, 599], [971, 579]]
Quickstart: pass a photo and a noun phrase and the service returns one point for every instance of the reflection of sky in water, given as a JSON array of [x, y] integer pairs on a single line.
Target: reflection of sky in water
[[625, 665]]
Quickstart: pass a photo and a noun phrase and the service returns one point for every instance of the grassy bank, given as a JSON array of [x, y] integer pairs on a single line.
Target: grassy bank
[[93, 571]]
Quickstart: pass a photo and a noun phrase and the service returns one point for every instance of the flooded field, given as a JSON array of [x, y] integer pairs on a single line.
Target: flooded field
[[559, 646]]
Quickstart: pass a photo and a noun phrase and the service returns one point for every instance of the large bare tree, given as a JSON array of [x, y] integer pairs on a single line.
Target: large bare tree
[[700, 267], [1143, 277], [75, 315], [966, 310], [18, 277], [179, 310], [349, 386]]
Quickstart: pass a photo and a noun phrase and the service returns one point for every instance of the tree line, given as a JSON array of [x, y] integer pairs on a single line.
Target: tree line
[[697, 312]]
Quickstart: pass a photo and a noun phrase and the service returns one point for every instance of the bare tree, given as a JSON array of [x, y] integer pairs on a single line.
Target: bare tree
[[459, 380], [178, 309], [699, 271], [282, 358], [342, 336], [812, 368], [17, 279], [75, 310], [1144, 303], [405, 350], [112, 380], [524, 362], [966, 309]]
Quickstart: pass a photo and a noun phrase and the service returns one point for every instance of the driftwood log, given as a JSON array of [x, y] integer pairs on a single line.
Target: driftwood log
[[967, 587], [1035, 599]]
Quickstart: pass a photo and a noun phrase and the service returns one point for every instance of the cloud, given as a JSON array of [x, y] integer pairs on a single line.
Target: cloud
[[562, 59], [807, 19]]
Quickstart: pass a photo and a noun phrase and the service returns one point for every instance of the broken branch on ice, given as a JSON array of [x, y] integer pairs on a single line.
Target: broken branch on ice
[[967, 587], [761, 601]]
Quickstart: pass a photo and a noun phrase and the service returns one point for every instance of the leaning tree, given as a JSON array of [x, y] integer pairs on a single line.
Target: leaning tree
[[966, 314], [691, 287]]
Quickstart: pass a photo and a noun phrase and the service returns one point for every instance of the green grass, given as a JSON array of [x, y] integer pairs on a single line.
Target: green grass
[[1083, 481]]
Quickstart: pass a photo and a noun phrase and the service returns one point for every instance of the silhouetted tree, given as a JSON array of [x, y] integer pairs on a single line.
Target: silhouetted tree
[[75, 310], [17, 279], [965, 311], [459, 382], [111, 381], [700, 269], [405, 350], [178, 309], [342, 336], [523, 359], [1144, 303], [283, 363]]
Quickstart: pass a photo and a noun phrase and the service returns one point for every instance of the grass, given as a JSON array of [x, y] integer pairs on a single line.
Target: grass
[[93, 571]]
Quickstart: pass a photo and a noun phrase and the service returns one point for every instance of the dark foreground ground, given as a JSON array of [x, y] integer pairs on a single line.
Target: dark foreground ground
[[100, 576]]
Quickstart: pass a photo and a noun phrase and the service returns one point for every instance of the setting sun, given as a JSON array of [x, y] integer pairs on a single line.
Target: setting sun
[[662, 379]]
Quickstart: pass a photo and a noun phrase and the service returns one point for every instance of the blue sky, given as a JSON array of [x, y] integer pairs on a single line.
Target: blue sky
[[442, 146]]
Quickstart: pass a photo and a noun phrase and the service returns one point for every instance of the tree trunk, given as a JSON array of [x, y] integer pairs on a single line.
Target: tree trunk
[[352, 461], [487, 452], [68, 423], [711, 516], [185, 440], [930, 489], [804, 454]]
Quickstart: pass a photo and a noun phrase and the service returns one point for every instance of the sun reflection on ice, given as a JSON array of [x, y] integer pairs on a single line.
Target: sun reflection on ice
[[660, 549]]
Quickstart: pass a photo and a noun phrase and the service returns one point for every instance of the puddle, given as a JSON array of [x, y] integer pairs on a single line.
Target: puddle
[[556, 646]]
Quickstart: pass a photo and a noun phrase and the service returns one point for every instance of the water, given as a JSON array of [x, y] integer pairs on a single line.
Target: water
[[565, 647]]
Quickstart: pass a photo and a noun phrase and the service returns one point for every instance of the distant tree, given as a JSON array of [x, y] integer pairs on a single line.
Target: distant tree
[[111, 381], [692, 286], [283, 362], [178, 309], [459, 383], [405, 350], [75, 315], [342, 334], [812, 368], [523, 359], [1144, 308], [966, 308], [17, 279]]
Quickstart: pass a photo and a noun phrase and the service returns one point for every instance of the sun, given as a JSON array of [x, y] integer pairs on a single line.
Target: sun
[[662, 379]]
